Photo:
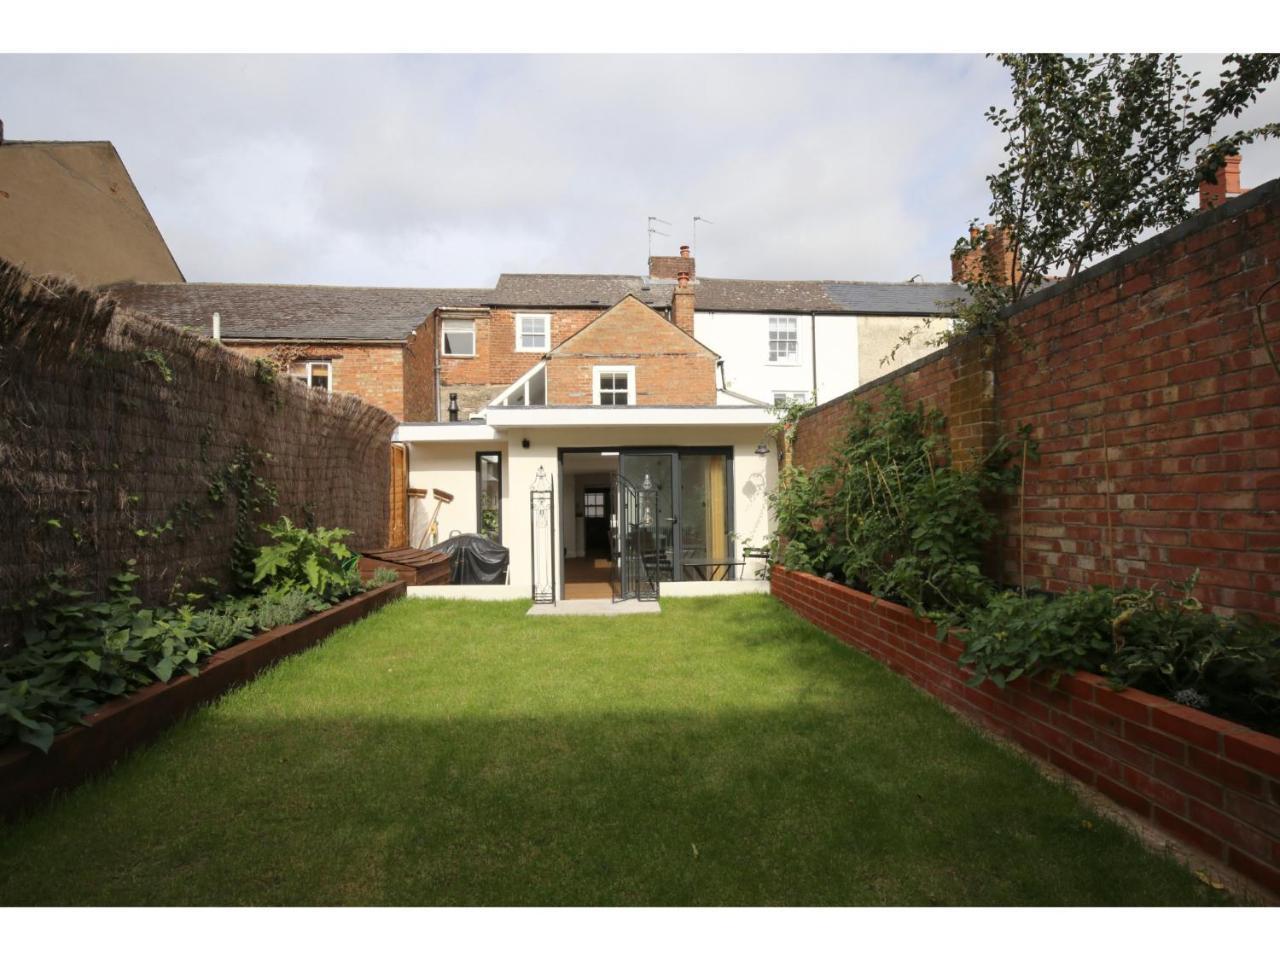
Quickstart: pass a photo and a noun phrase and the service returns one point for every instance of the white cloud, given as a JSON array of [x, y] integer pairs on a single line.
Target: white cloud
[[446, 170]]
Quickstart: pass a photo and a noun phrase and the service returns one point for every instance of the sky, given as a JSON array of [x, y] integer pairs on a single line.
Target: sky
[[446, 170]]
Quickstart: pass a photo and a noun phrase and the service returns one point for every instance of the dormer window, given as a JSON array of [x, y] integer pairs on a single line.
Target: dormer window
[[533, 332], [614, 386]]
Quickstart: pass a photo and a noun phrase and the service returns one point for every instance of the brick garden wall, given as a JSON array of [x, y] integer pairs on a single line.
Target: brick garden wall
[[1212, 784], [112, 424], [1154, 357]]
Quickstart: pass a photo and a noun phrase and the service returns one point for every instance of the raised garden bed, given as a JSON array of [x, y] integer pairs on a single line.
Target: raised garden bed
[[28, 776], [1211, 783]]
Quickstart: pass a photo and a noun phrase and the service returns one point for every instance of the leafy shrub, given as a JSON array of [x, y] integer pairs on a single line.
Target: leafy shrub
[[1164, 645], [281, 606], [890, 516], [381, 577], [316, 561], [1015, 635], [1171, 647], [78, 653]]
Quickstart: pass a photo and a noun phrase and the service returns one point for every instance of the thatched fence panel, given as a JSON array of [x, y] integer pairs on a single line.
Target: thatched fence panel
[[118, 432]]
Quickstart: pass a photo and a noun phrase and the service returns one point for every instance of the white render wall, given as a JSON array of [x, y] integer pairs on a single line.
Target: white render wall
[[849, 350], [451, 466], [742, 340]]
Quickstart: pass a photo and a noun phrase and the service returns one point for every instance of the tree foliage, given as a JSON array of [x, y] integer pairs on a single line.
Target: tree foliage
[[1099, 150]]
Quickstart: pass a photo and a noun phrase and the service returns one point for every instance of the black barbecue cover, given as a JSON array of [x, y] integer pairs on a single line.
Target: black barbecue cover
[[476, 559]]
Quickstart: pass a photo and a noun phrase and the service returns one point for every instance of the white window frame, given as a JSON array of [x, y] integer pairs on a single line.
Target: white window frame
[[791, 396], [517, 395], [546, 332], [444, 328], [795, 360], [322, 363], [631, 384]]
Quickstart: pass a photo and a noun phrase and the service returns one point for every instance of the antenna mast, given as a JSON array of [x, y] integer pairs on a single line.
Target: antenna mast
[[696, 221], [653, 230]]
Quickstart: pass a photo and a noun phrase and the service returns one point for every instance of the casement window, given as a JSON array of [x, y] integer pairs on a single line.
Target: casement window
[[533, 332], [489, 496], [784, 345], [458, 338], [613, 386], [319, 375], [783, 398]]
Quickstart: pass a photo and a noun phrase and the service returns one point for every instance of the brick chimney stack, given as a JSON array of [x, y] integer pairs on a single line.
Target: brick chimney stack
[[1226, 187], [669, 268], [682, 302], [993, 257]]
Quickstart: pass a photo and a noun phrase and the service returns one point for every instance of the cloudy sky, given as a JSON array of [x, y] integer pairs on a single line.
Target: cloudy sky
[[447, 170]]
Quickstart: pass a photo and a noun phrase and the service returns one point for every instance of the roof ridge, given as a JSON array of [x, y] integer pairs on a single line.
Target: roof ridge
[[297, 286]]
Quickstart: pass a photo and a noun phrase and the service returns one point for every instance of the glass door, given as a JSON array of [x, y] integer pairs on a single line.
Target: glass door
[[655, 477], [706, 550]]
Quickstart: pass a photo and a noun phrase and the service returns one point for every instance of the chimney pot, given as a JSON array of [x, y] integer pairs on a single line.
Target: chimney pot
[[453, 408], [682, 278], [684, 250]]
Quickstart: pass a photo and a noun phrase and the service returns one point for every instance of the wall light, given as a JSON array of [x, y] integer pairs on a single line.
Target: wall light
[[762, 448]]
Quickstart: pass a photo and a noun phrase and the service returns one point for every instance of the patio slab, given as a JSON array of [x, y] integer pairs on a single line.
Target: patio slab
[[593, 608]]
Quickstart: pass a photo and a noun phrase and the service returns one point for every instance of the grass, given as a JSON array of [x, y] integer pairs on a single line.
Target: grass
[[723, 752]]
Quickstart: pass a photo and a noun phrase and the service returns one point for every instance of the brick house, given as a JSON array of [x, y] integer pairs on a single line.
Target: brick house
[[375, 342], [625, 422], [601, 382], [778, 340]]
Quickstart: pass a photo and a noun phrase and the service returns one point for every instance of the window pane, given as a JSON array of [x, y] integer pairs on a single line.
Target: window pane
[[320, 376], [704, 516], [489, 500], [538, 389], [533, 333], [459, 338]]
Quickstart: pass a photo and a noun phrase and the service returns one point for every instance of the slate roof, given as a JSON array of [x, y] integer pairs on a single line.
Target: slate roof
[[293, 312], [576, 290], [265, 311], [748, 296]]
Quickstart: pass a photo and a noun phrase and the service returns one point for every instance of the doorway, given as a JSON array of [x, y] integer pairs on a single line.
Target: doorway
[[676, 522], [588, 478], [595, 521]]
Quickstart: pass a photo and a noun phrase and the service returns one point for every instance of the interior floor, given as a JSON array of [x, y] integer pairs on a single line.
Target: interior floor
[[588, 578]]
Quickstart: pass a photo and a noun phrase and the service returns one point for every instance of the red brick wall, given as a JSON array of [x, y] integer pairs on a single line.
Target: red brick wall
[[374, 373], [927, 379], [1212, 784], [671, 368], [1159, 349], [497, 361]]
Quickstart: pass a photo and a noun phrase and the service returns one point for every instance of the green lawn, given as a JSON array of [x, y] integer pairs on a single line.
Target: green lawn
[[724, 752]]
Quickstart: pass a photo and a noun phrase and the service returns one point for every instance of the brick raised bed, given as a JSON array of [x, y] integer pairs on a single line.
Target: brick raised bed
[[1212, 784], [28, 776]]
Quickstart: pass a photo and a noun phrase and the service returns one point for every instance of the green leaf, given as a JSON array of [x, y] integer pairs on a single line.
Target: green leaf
[[41, 737]]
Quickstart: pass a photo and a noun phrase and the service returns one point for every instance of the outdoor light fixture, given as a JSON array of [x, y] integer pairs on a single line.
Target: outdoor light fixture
[[762, 448]]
